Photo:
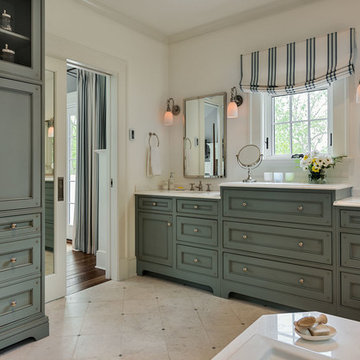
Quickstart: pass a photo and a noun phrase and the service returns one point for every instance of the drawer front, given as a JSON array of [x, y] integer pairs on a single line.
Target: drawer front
[[19, 301], [287, 278], [200, 261], [17, 226], [200, 207], [197, 231], [350, 219], [350, 250], [297, 244], [19, 258], [155, 203], [350, 290], [298, 207]]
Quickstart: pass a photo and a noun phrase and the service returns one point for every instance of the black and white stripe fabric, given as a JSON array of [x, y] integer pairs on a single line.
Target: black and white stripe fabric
[[298, 67]]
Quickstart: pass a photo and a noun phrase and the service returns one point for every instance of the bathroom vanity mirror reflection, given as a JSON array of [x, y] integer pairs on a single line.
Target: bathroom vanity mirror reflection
[[205, 136]]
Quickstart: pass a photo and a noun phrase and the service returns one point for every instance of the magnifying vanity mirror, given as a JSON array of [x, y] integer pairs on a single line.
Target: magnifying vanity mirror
[[205, 136], [249, 157]]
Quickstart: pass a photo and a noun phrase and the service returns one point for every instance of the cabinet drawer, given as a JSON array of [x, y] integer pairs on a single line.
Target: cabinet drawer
[[201, 207], [350, 219], [297, 244], [197, 231], [298, 207], [19, 258], [17, 226], [197, 260], [19, 301], [350, 250], [350, 290], [287, 278], [155, 203]]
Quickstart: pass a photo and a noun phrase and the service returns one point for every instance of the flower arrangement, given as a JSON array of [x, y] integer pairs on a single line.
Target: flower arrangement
[[316, 164]]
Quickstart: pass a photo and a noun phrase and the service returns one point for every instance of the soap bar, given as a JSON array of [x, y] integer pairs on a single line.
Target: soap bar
[[319, 330]]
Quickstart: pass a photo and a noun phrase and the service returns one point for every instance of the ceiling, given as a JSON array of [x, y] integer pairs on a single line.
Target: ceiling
[[176, 20]]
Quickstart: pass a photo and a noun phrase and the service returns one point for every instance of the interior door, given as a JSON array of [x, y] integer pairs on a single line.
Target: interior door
[[55, 178]]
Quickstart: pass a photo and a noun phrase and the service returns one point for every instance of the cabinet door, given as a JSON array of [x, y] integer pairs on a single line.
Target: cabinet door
[[20, 141], [25, 38], [155, 238]]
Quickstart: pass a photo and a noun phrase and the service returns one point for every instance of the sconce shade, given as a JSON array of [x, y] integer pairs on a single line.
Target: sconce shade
[[51, 132], [232, 110], [358, 94], [168, 118]]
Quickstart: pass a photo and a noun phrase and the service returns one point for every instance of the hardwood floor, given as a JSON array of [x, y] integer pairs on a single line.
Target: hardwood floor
[[80, 271]]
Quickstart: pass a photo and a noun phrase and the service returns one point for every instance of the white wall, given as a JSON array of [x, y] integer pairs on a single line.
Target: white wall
[[210, 63], [76, 32]]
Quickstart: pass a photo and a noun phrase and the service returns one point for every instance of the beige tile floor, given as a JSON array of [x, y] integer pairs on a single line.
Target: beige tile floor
[[141, 318]]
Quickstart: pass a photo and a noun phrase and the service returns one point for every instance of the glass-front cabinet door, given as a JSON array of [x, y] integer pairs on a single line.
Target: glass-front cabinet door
[[20, 38]]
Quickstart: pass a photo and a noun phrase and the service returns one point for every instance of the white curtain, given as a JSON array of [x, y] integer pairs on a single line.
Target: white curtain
[[299, 66]]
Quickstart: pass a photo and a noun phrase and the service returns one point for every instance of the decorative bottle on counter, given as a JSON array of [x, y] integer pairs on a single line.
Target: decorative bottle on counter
[[171, 182]]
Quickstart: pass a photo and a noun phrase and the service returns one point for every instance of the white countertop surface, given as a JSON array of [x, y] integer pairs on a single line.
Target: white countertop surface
[[351, 201], [345, 345], [304, 186], [182, 194]]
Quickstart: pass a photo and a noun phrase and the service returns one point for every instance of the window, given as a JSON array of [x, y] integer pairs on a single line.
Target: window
[[299, 124]]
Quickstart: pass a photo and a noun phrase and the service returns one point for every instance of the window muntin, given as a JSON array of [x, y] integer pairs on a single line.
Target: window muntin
[[300, 123]]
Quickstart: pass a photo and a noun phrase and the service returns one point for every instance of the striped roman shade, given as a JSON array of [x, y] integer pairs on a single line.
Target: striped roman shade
[[298, 67]]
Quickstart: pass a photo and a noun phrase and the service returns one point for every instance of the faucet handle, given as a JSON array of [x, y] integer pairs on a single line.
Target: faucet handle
[[208, 187], [192, 186]]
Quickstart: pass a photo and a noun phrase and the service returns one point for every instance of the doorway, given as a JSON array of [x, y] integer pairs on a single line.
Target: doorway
[[87, 180]]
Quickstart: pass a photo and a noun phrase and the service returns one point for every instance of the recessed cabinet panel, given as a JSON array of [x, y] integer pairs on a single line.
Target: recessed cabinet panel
[[299, 244], [287, 278], [350, 219], [350, 250], [23, 38], [20, 131], [156, 238], [297, 207], [350, 290]]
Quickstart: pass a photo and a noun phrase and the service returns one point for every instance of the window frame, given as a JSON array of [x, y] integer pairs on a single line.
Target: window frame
[[269, 129]]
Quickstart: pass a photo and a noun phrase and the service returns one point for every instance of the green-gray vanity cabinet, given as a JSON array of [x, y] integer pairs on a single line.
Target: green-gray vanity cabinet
[[348, 236], [179, 238], [22, 313], [279, 245]]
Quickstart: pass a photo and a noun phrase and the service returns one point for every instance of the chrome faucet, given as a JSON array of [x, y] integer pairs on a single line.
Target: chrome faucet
[[200, 186]]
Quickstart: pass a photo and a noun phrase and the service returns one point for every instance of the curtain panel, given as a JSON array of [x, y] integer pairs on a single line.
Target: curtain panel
[[299, 66]]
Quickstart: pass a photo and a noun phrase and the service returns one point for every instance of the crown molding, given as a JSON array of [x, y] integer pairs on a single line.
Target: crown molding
[[233, 20], [124, 20]]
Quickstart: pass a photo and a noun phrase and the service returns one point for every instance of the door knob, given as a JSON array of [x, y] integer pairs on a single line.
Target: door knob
[[13, 260], [244, 269], [244, 204], [301, 281], [13, 303], [13, 226], [300, 244], [245, 236], [196, 260], [300, 207], [196, 230]]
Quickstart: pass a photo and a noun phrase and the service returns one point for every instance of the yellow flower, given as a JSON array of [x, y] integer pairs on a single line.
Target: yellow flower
[[315, 169], [305, 157]]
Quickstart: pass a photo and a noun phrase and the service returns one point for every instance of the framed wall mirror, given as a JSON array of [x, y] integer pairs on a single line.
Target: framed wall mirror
[[204, 143]]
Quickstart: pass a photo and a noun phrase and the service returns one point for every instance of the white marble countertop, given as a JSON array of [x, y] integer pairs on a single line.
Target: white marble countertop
[[345, 345], [182, 193], [351, 202], [272, 185]]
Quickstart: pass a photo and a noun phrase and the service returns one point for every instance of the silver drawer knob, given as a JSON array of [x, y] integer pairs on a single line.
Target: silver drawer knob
[[196, 206], [244, 204], [244, 269], [169, 224], [196, 260], [154, 204], [300, 244], [13, 260], [301, 281], [196, 230], [300, 208], [13, 303], [13, 226], [245, 236]]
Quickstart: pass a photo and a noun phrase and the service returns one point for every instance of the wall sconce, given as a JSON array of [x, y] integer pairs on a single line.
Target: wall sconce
[[235, 101], [51, 129], [358, 94], [171, 110]]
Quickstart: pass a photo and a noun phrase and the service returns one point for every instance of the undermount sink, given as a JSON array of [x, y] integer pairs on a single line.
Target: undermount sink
[[259, 347]]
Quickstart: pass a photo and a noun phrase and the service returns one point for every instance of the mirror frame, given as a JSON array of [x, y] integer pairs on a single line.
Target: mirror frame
[[224, 95]]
